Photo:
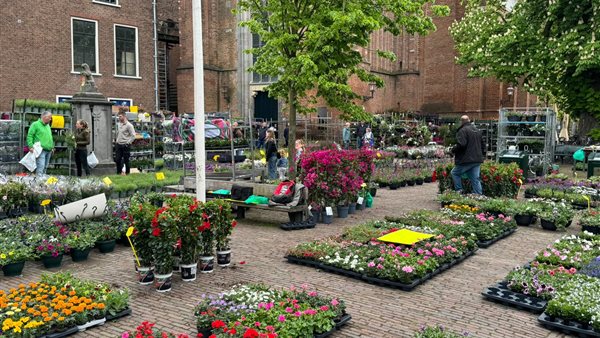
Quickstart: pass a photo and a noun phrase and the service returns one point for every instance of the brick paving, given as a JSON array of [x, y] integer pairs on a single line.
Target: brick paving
[[452, 298]]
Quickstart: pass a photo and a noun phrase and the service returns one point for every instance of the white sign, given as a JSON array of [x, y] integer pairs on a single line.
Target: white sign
[[329, 211], [360, 200], [90, 207]]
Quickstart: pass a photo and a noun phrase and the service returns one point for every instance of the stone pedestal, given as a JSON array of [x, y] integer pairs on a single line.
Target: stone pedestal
[[96, 110]]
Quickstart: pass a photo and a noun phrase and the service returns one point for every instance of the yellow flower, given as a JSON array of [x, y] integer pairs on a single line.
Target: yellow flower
[[216, 158], [363, 185], [17, 329], [11, 253], [45, 202], [3, 256]]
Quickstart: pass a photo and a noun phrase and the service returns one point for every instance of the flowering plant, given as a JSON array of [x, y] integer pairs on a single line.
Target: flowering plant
[[578, 301], [590, 217], [560, 213], [13, 251], [53, 246], [146, 330], [437, 332], [81, 240], [497, 179], [13, 195], [540, 280], [141, 214]]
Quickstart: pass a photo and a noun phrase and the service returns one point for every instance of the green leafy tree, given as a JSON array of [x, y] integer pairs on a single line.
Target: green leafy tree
[[549, 47], [311, 46]]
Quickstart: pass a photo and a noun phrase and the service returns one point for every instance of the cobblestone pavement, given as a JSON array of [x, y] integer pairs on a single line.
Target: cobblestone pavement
[[452, 298]]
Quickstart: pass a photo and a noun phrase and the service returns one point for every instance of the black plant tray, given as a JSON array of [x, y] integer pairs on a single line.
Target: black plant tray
[[298, 225], [118, 315], [378, 281], [486, 244], [68, 332], [340, 271], [301, 261], [338, 325], [502, 294], [567, 326]]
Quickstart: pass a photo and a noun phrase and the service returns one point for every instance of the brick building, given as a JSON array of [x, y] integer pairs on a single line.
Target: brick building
[[41, 49]]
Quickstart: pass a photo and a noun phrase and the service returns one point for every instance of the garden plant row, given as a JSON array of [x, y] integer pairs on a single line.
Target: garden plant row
[[59, 305], [563, 282], [358, 253]]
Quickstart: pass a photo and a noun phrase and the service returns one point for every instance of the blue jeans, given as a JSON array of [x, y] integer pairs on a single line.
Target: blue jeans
[[472, 170], [273, 167], [42, 162]]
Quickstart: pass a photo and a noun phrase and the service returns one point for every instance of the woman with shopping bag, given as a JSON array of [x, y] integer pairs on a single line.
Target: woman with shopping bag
[[82, 139]]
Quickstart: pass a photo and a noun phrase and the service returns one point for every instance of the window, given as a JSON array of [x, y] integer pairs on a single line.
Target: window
[[84, 35], [126, 55], [256, 77]]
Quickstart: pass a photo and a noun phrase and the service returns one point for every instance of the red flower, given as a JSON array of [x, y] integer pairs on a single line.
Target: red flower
[[243, 262], [234, 223], [218, 324], [250, 333], [193, 207], [156, 232], [232, 331]]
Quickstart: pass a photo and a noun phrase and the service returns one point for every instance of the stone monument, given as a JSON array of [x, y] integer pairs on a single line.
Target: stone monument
[[90, 105]]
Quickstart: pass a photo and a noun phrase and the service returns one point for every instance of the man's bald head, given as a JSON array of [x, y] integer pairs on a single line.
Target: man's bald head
[[464, 119]]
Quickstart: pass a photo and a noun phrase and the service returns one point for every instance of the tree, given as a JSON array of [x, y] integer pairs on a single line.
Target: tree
[[549, 47], [311, 46]]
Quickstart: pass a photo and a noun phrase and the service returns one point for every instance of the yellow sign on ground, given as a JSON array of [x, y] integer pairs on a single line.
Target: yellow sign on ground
[[58, 122], [404, 236], [160, 176], [107, 180]]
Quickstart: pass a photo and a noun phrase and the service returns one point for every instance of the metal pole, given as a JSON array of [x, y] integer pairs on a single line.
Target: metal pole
[[199, 101], [155, 38], [232, 149]]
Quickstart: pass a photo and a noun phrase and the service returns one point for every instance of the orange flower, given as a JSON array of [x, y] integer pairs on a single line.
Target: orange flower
[[67, 312], [72, 293], [89, 307], [54, 314], [60, 319], [47, 319], [101, 306]]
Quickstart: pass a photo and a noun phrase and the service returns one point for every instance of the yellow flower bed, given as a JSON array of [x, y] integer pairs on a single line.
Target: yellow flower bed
[[462, 208]]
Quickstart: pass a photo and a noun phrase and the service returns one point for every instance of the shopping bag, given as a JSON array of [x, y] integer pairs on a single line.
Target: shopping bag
[[37, 149], [29, 161], [579, 155], [92, 160]]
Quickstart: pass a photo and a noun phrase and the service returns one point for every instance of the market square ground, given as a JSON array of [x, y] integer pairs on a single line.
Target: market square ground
[[452, 298]]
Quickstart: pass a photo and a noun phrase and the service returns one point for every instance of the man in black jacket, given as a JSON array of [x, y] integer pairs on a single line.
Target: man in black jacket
[[468, 155]]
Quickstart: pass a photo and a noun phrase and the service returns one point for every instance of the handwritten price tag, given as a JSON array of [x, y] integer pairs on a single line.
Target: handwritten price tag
[[107, 181], [329, 211], [160, 176]]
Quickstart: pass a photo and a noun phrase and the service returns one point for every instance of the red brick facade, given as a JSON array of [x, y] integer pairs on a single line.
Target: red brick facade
[[35, 54], [35, 50]]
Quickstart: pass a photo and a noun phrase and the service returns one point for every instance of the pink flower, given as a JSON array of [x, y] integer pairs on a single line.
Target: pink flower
[[281, 318], [407, 269], [312, 293], [298, 314], [324, 308], [371, 264], [334, 302], [125, 335], [379, 266], [289, 310], [546, 254], [257, 324]]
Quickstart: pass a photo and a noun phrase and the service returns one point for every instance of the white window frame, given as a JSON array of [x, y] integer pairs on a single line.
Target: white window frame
[[137, 52], [62, 96], [106, 3], [97, 73], [110, 99]]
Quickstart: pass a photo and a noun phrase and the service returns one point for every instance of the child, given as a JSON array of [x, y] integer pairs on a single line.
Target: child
[[282, 164]]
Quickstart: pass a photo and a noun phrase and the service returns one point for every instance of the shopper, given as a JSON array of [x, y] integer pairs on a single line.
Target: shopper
[[346, 135], [468, 155], [271, 153], [82, 139], [360, 134], [262, 135], [125, 136], [368, 138], [40, 131]]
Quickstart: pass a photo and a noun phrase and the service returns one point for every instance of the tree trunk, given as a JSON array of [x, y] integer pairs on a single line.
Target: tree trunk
[[292, 135], [587, 122]]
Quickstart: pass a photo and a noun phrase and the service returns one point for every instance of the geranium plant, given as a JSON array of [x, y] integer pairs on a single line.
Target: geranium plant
[[147, 330]]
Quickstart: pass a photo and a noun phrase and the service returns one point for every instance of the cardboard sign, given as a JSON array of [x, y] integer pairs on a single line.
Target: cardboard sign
[[404, 236], [160, 176], [329, 211], [360, 200], [86, 208]]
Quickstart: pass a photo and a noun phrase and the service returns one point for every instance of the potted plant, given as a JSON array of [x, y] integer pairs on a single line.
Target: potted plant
[[514, 116], [524, 212], [590, 221], [207, 237], [107, 235], [117, 303], [163, 240], [189, 213], [51, 251], [80, 244], [224, 224], [13, 255], [141, 214], [556, 216], [14, 198]]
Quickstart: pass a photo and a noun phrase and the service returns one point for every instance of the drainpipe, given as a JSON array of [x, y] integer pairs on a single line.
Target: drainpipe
[[156, 103]]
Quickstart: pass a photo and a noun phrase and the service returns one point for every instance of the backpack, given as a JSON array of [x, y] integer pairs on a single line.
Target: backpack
[[241, 193], [284, 193]]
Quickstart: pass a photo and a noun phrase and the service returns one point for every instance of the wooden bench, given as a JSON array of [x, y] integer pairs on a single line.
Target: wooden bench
[[297, 213]]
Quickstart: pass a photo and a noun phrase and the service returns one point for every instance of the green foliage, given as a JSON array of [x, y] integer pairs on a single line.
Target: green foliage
[[549, 46], [437, 332], [41, 104]]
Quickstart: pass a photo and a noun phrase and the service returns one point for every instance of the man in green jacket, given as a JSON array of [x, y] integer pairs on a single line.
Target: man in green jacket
[[40, 131]]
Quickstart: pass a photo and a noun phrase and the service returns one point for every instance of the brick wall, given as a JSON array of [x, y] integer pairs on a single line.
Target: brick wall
[[35, 49]]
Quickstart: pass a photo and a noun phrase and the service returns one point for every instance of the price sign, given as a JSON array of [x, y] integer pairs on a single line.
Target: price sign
[[107, 181], [160, 176]]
